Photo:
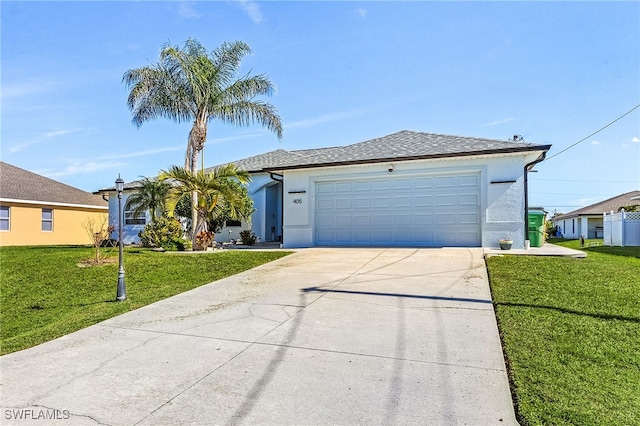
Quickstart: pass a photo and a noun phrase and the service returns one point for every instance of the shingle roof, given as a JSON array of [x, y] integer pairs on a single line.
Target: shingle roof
[[611, 204], [20, 184], [404, 145]]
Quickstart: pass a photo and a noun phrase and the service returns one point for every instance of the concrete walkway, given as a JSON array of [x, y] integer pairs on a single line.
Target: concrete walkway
[[323, 336], [546, 250]]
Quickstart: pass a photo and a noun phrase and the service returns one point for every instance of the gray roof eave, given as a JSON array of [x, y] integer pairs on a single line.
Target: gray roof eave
[[541, 148]]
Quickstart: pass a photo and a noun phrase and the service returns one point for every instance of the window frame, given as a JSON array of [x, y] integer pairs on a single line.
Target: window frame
[[44, 220], [5, 219], [131, 219]]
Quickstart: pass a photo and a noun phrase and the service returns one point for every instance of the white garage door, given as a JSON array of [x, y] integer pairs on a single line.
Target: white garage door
[[435, 210]]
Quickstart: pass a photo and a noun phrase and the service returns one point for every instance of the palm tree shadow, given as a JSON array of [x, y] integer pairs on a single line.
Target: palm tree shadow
[[258, 388], [571, 311], [615, 251]]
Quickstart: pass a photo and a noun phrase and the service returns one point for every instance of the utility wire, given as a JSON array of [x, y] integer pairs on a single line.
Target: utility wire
[[596, 132]]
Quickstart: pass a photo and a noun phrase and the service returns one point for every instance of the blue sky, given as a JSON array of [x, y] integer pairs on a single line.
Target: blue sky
[[345, 72]]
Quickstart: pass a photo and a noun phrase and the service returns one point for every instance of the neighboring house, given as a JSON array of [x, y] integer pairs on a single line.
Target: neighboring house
[[405, 189], [35, 210], [587, 221]]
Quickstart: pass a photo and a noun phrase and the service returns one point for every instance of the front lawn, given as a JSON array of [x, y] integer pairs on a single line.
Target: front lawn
[[570, 329], [45, 294]]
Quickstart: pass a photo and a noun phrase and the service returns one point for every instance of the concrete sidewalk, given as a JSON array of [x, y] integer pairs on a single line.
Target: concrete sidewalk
[[547, 249], [323, 336]]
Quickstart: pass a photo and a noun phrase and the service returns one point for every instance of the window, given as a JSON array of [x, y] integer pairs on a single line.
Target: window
[[233, 223], [4, 218], [47, 220], [130, 218]]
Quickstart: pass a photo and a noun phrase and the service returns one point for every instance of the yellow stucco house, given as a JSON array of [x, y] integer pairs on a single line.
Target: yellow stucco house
[[35, 210]]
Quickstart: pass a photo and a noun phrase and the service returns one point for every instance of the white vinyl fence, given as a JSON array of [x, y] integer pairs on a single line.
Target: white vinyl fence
[[622, 229]]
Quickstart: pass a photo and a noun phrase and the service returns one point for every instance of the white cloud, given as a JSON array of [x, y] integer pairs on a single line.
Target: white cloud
[[187, 11], [77, 167], [252, 9], [594, 142], [361, 12], [635, 139], [20, 90], [142, 153], [55, 133], [41, 138], [498, 122], [326, 118]]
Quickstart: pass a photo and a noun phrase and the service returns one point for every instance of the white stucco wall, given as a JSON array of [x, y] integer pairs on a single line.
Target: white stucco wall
[[130, 232], [502, 204]]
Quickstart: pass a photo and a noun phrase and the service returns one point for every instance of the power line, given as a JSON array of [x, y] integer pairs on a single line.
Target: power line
[[582, 180], [596, 132]]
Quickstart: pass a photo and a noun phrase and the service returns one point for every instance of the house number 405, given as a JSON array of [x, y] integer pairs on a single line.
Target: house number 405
[[297, 201]]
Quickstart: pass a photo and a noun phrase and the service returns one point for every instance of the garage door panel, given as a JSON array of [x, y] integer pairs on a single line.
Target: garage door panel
[[446, 200], [324, 188], [448, 218], [402, 201], [361, 237], [362, 203], [423, 200], [362, 220], [343, 187], [343, 220], [362, 186], [381, 219], [381, 237], [381, 202], [437, 210], [343, 236], [381, 185], [469, 199], [343, 204], [422, 219], [324, 204], [402, 184], [324, 221], [446, 181], [469, 218], [469, 180], [402, 219], [423, 182], [424, 236]]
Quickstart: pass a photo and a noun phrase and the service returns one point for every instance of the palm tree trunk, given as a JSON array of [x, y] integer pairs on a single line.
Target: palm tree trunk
[[197, 138]]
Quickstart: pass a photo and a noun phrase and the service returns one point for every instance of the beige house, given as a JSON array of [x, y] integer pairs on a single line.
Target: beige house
[[587, 221], [35, 210]]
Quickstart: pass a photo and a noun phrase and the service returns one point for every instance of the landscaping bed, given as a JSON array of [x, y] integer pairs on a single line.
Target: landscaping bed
[[570, 330], [47, 292]]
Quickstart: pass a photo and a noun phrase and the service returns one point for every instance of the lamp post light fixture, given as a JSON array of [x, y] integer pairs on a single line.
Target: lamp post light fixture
[[121, 294]]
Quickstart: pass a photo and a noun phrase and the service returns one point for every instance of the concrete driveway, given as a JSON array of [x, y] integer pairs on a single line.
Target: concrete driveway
[[323, 336]]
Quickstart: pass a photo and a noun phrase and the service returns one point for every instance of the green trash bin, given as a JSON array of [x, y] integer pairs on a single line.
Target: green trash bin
[[536, 227]]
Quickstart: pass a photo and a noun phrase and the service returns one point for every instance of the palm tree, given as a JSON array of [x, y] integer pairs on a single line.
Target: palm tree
[[150, 195], [191, 84], [214, 192]]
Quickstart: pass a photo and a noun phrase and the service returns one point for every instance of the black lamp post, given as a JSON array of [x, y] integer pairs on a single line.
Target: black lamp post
[[122, 289]]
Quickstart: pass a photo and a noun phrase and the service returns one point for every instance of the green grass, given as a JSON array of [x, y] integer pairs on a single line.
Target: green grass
[[45, 294], [570, 329]]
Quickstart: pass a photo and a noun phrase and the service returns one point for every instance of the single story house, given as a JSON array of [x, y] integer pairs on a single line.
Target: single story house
[[588, 221], [35, 210], [408, 189]]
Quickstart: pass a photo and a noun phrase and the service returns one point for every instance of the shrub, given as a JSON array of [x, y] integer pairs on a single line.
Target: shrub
[[165, 232], [248, 237], [204, 239]]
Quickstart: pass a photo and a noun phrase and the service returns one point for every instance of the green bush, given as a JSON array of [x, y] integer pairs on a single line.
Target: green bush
[[248, 237], [165, 232]]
